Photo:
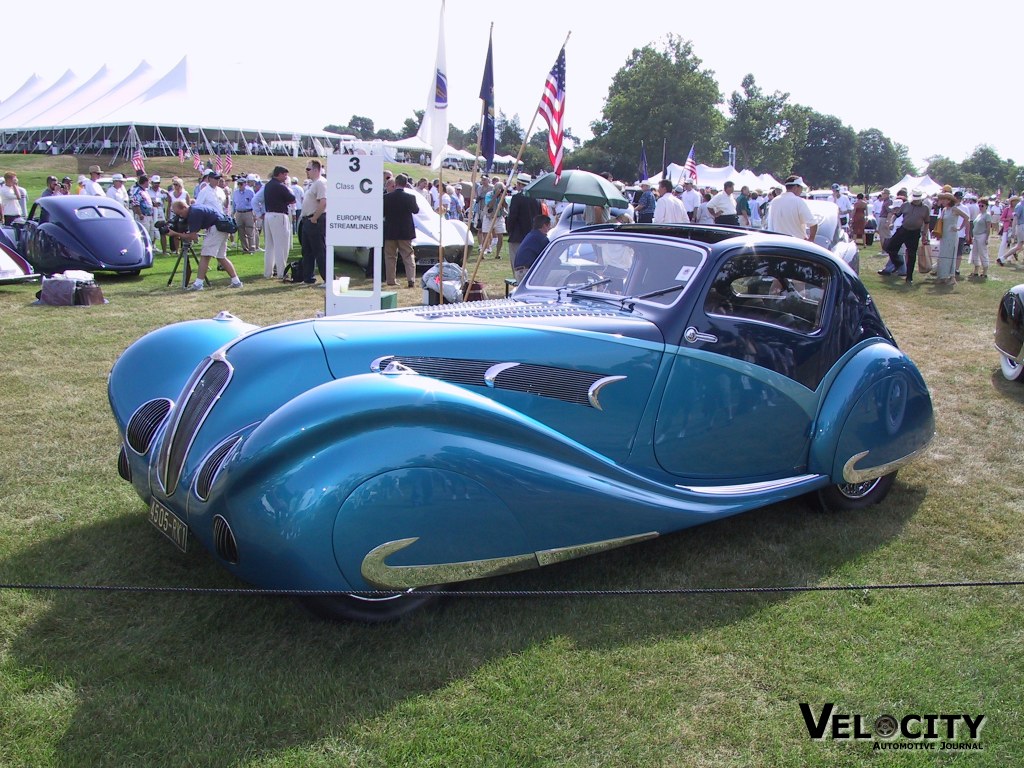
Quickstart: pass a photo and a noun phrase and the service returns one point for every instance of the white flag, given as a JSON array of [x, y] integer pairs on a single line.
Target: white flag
[[434, 128]]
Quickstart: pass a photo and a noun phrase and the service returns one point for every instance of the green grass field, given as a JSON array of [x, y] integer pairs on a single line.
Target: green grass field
[[121, 679]]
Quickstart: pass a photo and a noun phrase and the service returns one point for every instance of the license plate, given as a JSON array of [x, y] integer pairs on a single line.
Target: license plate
[[169, 524]]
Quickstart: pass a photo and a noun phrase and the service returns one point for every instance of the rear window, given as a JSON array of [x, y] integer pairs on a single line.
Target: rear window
[[85, 213]]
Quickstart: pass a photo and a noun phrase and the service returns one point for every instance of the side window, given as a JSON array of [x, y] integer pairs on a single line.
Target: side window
[[781, 290]]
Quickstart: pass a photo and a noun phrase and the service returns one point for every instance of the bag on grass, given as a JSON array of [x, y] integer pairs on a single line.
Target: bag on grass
[[293, 272]]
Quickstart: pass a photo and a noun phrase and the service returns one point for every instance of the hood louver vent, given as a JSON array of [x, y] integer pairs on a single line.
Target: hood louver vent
[[145, 422]]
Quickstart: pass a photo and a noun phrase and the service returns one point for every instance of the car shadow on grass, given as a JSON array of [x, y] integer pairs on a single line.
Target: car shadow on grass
[[174, 679]]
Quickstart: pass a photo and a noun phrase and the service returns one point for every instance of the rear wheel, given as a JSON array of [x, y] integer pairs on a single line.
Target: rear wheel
[[1012, 370], [850, 496], [371, 610]]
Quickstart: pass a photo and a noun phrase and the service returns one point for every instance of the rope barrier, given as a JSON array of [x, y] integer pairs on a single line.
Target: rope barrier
[[515, 593]]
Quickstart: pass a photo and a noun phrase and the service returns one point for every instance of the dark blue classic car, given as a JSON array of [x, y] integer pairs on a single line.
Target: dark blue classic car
[[95, 234], [641, 379]]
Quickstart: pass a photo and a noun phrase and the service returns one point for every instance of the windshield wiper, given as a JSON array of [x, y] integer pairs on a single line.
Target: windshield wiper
[[651, 294], [574, 289]]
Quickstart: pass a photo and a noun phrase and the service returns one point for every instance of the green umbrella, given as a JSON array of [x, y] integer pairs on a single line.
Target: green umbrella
[[577, 187]]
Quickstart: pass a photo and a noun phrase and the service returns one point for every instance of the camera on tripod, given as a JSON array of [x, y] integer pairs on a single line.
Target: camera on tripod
[[175, 222]]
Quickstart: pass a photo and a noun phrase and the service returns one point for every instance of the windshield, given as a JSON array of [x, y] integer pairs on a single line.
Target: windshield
[[622, 266]]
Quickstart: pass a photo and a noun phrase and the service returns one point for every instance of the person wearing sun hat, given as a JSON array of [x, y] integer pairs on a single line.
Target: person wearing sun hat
[[951, 215], [92, 185], [790, 214], [911, 232]]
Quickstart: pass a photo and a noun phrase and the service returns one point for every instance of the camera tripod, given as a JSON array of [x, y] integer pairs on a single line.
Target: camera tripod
[[186, 251]]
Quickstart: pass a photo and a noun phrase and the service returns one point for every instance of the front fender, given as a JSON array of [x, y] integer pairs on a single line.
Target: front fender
[[159, 364], [876, 416]]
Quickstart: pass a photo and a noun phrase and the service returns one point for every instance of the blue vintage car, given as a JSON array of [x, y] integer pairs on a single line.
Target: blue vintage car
[[92, 233], [640, 380]]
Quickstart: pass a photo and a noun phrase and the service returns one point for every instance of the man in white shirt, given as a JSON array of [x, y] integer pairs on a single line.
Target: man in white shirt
[[691, 199], [669, 209], [92, 186], [844, 204], [208, 193], [118, 192], [790, 214], [723, 207]]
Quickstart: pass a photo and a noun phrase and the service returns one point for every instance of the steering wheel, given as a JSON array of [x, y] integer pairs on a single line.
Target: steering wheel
[[581, 277]]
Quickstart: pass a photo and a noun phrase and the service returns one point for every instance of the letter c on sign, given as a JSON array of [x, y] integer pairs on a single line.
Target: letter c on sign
[[366, 186]]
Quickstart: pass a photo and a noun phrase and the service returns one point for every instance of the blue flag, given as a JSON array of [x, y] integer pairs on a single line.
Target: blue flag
[[643, 162], [487, 126]]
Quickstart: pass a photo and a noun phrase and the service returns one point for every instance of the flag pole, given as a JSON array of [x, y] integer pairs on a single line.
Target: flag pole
[[472, 193], [526, 138]]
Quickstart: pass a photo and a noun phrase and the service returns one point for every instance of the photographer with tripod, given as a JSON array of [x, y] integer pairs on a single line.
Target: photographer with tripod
[[215, 244]]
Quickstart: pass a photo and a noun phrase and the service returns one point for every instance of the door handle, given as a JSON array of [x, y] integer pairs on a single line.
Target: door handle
[[691, 335]]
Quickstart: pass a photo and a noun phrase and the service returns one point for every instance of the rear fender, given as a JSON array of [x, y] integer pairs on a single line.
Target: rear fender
[[876, 417]]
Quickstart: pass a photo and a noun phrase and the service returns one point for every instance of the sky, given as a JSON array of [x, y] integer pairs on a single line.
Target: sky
[[927, 75]]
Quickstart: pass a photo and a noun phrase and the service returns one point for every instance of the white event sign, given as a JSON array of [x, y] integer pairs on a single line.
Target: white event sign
[[355, 219]]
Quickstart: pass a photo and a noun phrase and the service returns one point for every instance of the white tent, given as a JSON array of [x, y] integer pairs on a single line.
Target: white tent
[[910, 183]]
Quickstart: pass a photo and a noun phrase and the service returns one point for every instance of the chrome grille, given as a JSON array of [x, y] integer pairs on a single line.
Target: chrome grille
[[559, 383], [208, 472], [200, 395], [143, 424], [467, 372], [508, 309], [224, 543]]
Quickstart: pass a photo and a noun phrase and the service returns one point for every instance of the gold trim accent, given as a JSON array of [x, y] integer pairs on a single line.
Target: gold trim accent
[[378, 573], [852, 475]]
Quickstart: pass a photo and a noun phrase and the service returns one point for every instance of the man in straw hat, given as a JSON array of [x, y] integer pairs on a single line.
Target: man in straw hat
[[911, 232]]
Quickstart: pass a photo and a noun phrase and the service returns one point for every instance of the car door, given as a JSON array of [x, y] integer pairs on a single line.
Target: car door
[[743, 391]]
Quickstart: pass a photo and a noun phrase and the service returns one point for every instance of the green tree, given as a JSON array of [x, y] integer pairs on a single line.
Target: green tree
[[990, 171], [658, 95], [829, 153], [411, 126], [944, 171], [878, 163], [765, 133]]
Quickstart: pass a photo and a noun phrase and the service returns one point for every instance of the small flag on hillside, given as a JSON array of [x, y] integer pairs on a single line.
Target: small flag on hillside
[[227, 163], [217, 164], [487, 94], [552, 108], [137, 162], [690, 168], [197, 161]]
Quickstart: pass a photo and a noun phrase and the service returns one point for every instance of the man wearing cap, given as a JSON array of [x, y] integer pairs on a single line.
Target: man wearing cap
[[118, 192], [208, 192], [277, 224], [669, 208], [52, 187], [723, 206], [912, 231], [215, 243], [646, 203], [92, 185], [691, 199], [790, 214], [521, 212], [313, 224], [65, 185], [142, 205], [844, 204], [241, 206]]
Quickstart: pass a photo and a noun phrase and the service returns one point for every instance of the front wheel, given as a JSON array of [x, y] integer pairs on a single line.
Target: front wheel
[[370, 610], [1012, 370], [844, 497]]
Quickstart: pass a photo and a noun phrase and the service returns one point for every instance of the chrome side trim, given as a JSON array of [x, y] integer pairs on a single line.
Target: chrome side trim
[[748, 488], [377, 572], [854, 475], [494, 371], [375, 366], [594, 393]]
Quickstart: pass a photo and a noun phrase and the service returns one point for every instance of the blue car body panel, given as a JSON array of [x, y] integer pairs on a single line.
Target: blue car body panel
[[436, 444]]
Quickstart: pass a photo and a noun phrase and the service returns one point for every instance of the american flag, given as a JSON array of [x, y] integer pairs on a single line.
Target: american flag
[[552, 107], [227, 163], [197, 161], [217, 164], [137, 162], [181, 155], [690, 168]]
